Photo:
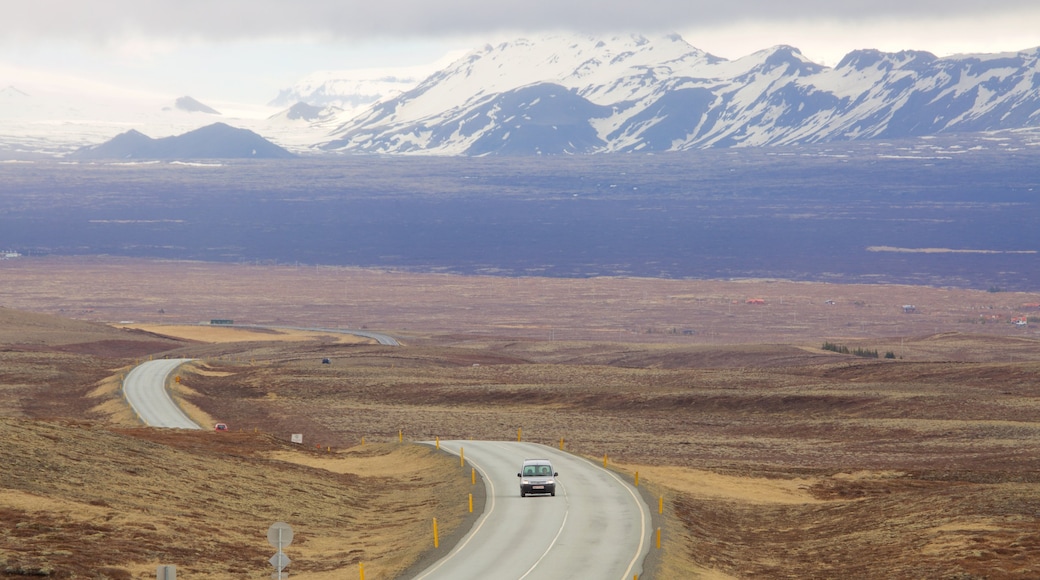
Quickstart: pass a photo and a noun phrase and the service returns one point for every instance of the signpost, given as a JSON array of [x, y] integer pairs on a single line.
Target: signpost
[[279, 535]]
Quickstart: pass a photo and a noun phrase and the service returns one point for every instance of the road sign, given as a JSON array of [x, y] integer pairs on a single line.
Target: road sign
[[280, 534], [279, 561]]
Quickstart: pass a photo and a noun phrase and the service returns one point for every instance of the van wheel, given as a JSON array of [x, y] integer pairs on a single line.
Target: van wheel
[[552, 493], [522, 494]]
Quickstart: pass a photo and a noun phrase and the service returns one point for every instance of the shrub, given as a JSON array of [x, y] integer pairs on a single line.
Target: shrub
[[841, 348], [835, 347]]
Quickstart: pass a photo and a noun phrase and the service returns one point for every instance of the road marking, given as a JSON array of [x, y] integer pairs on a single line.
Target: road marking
[[642, 519], [487, 481], [563, 524], [473, 533]]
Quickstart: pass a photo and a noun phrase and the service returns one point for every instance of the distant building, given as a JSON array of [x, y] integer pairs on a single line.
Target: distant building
[[909, 308], [9, 255], [221, 321], [755, 301]]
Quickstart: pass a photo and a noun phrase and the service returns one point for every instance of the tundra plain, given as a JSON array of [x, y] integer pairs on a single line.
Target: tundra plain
[[774, 458]]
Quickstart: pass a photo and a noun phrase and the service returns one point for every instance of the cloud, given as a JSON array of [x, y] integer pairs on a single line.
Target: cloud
[[239, 49], [110, 21]]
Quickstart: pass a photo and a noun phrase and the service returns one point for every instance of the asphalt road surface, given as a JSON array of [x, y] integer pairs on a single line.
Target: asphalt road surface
[[145, 390], [383, 339], [596, 527]]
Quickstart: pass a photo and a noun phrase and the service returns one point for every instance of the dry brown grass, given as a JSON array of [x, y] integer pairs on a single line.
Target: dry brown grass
[[776, 459], [625, 310], [79, 498], [218, 334], [107, 499]]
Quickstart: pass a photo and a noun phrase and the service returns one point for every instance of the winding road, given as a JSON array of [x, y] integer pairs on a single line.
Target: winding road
[[383, 339], [597, 526], [145, 390], [145, 385]]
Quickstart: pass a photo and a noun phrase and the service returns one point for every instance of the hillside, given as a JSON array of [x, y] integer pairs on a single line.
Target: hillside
[[86, 492]]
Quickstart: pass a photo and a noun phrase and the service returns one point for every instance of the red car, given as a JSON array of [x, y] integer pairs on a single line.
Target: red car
[[220, 427]]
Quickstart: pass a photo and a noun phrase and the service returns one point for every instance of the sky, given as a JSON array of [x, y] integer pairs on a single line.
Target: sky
[[247, 50]]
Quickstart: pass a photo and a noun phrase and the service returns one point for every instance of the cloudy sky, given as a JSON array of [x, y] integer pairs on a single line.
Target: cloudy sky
[[246, 50]]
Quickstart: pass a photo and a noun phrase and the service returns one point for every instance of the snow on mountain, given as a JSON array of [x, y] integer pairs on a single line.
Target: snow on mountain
[[12, 96], [303, 112], [55, 116], [56, 121], [632, 93], [351, 90], [193, 105], [569, 94]]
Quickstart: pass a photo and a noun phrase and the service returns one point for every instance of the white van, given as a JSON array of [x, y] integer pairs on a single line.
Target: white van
[[537, 476]]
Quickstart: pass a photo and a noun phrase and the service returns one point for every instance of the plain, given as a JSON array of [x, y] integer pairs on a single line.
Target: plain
[[773, 457]]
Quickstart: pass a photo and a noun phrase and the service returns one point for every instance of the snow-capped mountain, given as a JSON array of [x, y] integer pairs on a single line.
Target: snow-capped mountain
[[571, 94], [351, 90], [565, 94], [192, 105]]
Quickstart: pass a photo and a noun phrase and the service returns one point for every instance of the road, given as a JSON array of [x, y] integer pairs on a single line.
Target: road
[[383, 339], [597, 526], [145, 385], [145, 390]]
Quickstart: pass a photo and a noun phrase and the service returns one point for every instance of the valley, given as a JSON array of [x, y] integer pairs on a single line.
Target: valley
[[774, 458], [951, 212]]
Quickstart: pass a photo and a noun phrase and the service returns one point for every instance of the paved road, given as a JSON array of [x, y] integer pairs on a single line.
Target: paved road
[[384, 339], [145, 385], [596, 527], [145, 390]]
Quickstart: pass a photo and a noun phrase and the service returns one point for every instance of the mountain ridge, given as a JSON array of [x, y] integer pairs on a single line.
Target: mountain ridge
[[215, 141], [573, 95], [662, 94]]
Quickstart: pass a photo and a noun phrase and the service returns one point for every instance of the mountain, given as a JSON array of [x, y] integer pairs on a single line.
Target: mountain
[[192, 105], [579, 95], [12, 92], [303, 111], [216, 141], [353, 90], [309, 113]]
